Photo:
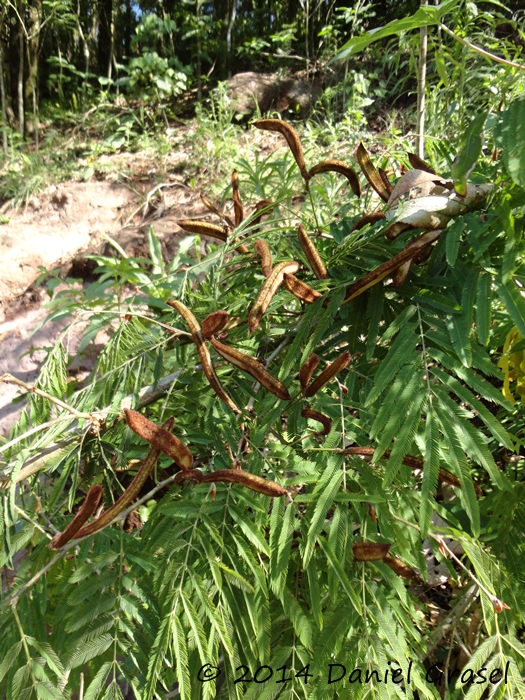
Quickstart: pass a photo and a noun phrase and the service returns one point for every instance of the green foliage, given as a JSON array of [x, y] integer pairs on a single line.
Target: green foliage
[[424, 17], [508, 135], [232, 578]]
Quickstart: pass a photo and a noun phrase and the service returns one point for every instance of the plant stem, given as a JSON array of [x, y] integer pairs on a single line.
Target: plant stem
[[9, 379], [421, 85], [481, 51]]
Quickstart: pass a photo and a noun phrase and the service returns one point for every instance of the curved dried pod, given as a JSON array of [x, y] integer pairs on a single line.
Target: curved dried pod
[[160, 438], [367, 219], [372, 512], [386, 181], [415, 184], [399, 566], [424, 255], [268, 291], [263, 251], [419, 164], [214, 323], [291, 136], [250, 481], [86, 510], [320, 418], [375, 276], [312, 254], [371, 173], [400, 275], [130, 494], [337, 166], [300, 290], [204, 228], [241, 248], [307, 370], [195, 476], [370, 551], [412, 462], [211, 207], [237, 203], [399, 227], [327, 374], [204, 353], [260, 210], [252, 366]]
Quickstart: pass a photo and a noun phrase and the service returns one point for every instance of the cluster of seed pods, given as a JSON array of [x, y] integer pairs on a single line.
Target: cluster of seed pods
[[161, 439]]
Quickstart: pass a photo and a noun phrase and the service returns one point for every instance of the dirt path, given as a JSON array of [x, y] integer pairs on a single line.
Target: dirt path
[[58, 229]]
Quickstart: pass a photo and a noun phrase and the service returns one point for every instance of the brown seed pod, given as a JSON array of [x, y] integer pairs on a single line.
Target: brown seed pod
[[291, 136], [213, 323], [375, 276], [386, 181], [268, 290], [209, 205], [370, 551], [299, 289], [371, 173], [419, 164], [424, 255], [263, 251], [130, 493], [312, 254], [399, 567], [253, 367], [327, 374], [237, 203], [160, 438], [204, 353], [320, 418], [368, 219], [307, 370], [241, 248], [372, 512], [204, 228], [261, 208], [498, 605], [195, 476], [338, 166], [412, 462], [87, 509], [251, 481], [400, 275]]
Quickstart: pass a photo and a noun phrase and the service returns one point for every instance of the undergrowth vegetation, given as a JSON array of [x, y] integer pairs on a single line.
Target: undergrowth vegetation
[[306, 428], [223, 576]]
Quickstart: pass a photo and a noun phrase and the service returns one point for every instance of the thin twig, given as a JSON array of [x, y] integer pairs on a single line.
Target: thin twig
[[451, 620], [25, 516], [493, 599], [9, 379], [34, 430], [147, 396], [487, 54], [498, 604], [12, 600]]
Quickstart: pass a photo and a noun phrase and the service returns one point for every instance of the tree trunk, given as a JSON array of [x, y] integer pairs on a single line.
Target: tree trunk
[[33, 50], [229, 57], [104, 36], [2, 96], [421, 86], [199, 52], [112, 38], [21, 82], [86, 57]]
